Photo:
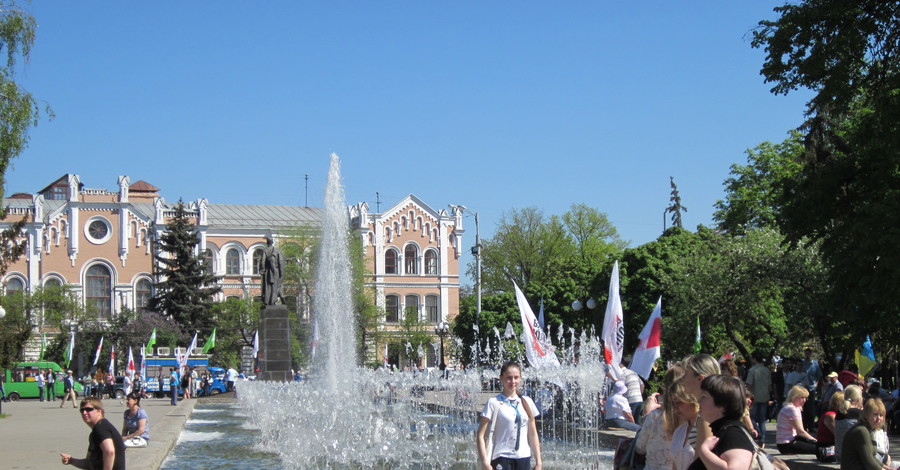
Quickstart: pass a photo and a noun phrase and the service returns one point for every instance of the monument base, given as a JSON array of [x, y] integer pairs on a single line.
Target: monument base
[[274, 354]]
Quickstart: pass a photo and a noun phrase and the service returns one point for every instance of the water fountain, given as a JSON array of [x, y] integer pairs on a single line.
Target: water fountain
[[346, 416]]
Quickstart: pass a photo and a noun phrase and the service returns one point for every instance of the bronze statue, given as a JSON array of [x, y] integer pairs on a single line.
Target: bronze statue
[[272, 271]]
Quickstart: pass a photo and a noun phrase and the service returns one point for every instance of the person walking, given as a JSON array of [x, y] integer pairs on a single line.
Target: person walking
[[173, 385], [69, 389], [508, 421], [39, 378], [759, 379], [106, 449]]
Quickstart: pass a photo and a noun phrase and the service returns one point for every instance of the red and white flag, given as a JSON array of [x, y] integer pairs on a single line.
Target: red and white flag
[[112, 359], [613, 335], [97, 354], [648, 349], [255, 343], [538, 348], [130, 368]]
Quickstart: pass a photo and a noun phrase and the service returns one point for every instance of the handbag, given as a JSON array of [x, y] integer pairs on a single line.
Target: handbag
[[761, 460]]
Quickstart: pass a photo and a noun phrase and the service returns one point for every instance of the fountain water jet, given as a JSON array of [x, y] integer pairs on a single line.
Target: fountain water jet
[[348, 416]]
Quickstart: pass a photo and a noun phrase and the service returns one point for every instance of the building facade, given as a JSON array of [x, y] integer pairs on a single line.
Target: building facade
[[412, 252], [100, 244]]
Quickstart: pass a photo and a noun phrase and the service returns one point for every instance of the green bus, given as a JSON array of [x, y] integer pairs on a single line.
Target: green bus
[[21, 383]]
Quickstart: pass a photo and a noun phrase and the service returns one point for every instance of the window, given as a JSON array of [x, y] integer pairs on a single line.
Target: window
[[431, 309], [14, 285], [257, 260], [59, 193], [98, 230], [207, 260], [98, 285], [232, 262], [142, 292], [390, 261], [52, 283], [431, 262], [410, 257], [392, 309], [412, 307]]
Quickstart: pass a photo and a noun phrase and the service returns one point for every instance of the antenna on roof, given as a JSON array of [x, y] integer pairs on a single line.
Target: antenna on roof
[[377, 202], [306, 192]]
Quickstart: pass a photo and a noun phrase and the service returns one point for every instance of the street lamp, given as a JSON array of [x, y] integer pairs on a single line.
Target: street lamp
[[476, 251], [442, 329]]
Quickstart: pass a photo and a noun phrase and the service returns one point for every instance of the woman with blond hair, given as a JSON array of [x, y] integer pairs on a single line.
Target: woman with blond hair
[[656, 431], [847, 416], [697, 367], [858, 449], [684, 436], [790, 436]]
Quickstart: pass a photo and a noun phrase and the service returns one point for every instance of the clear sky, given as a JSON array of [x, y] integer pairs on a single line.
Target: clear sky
[[495, 105]]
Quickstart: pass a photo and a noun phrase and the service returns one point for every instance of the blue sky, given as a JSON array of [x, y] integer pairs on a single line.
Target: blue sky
[[494, 105]]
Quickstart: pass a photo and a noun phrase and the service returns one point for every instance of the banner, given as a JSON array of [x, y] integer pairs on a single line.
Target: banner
[[648, 350], [538, 349], [112, 359], [97, 354], [865, 358], [183, 358], [70, 349], [255, 344], [130, 368], [613, 334], [151, 342], [210, 343]]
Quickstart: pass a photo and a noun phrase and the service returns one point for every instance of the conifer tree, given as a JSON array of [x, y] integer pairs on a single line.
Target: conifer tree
[[185, 286], [676, 208]]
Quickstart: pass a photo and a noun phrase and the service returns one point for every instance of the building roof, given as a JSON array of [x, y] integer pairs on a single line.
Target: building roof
[[143, 186], [263, 216]]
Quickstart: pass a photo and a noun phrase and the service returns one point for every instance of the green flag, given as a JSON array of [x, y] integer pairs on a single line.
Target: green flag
[[697, 341], [210, 343], [151, 343]]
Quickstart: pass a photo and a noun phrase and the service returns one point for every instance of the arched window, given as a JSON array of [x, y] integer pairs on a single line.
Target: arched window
[[98, 285], [14, 285], [392, 309], [233, 261], [410, 258], [412, 307], [257, 260], [390, 261], [142, 293], [52, 282], [207, 260], [431, 262], [431, 309]]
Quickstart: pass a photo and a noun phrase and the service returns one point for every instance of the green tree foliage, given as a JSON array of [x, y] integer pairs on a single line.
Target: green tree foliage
[[236, 322], [754, 192], [845, 194], [47, 309], [19, 112], [186, 287]]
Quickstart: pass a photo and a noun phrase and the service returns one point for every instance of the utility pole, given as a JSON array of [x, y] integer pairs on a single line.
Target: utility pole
[[306, 190]]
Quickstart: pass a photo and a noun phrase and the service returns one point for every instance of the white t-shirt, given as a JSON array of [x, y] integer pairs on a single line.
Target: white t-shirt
[[505, 429], [616, 406]]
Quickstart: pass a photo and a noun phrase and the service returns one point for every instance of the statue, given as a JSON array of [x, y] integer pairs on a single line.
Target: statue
[[272, 271]]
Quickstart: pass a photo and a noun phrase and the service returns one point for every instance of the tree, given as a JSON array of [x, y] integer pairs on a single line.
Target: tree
[[594, 236], [185, 287], [845, 193], [753, 192], [236, 323], [675, 208], [19, 111]]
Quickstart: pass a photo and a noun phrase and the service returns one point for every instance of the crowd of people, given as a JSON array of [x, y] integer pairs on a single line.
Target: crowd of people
[[713, 414]]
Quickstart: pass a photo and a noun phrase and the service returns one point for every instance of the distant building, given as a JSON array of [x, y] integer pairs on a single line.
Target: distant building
[[100, 244], [412, 252]]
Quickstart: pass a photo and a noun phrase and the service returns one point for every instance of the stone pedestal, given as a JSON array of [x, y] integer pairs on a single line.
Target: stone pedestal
[[274, 354]]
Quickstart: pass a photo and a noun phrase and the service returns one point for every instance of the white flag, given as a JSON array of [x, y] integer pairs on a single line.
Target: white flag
[[647, 351], [613, 335], [112, 359], [255, 343], [538, 349], [97, 354], [510, 332], [183, 360], [71, 349], [130, 369]]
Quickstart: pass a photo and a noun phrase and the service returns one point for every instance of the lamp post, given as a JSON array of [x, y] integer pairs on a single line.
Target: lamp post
[[476, 251], [442, 329]]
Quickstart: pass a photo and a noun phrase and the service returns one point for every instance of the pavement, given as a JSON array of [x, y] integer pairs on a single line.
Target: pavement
[[34, 433]]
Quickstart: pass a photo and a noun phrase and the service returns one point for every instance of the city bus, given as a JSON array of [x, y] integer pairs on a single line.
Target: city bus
[[20, 382]]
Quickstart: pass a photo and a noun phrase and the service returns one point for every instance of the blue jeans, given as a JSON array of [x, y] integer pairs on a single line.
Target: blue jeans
[[758, 418], [174, 396], [624, 424]]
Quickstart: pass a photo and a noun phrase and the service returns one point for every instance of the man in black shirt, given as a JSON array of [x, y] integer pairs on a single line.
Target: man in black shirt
[[106, 450]]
